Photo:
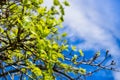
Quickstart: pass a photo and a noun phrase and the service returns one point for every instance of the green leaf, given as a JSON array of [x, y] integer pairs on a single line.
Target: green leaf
[[54, 29], [61, 18], [73, 48], [1, 29], [37, 71], [81, 52], [64, 47], [12, 6], [27, 18], [66, 3], [46, 32], [82, 71], [74, 58], [56, 2], [41, 1], [60, 55], [62, 10], [64, 34], [19, 21], [55, 46], [98, 53], [23, 70]]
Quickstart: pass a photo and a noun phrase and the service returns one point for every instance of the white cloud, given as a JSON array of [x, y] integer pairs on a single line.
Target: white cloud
[[117, 75], [95, 23], [92, 25]]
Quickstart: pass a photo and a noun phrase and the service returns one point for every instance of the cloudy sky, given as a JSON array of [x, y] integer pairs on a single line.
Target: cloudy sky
[[95, 25]]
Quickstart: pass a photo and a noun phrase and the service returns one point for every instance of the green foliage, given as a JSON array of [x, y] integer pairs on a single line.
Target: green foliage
[[73, 48], [56, 2], [28, 26], [64, 34], [66, 3], [81, 52], [30, 42], [82, 71], [98, 53], [74, 58]]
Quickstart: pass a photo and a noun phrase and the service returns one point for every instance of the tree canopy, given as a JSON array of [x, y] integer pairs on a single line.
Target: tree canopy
[[31, 47]]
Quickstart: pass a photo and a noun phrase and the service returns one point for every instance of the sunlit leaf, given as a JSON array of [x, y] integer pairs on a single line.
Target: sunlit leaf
[[66, 3], [56, 2], [81, 52], [73, 48]]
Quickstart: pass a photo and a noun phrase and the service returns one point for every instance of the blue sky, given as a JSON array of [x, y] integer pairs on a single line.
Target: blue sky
[[94, 25]]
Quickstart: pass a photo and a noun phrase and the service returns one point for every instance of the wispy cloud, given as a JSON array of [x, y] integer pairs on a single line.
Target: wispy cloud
[[95, 23]]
